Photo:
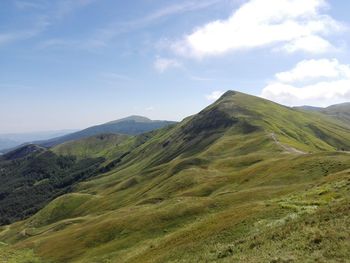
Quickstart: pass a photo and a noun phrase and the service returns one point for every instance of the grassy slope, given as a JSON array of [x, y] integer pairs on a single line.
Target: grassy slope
[[338, 111], [10, 255], [216, 187], [94, 146]]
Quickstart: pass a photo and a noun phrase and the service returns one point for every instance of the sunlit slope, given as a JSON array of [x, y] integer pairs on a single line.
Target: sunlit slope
[[215, 187], [205, 220], [305, 131], [94, 146]]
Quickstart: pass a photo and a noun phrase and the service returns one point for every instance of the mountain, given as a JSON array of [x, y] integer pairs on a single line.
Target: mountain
[[132, 125], [7, 143], [244, 180], [339, 111], [10, 141], [133, 118]]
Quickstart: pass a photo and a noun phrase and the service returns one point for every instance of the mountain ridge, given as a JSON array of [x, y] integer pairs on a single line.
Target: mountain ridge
[[132, 125], [222, 185], [340, 111]]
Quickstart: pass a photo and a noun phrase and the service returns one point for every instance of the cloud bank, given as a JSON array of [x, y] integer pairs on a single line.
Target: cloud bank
[[311, 82], [288, 25]]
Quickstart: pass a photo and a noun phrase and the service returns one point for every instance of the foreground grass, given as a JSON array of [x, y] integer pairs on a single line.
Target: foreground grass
[[259, 220], [11, 255]]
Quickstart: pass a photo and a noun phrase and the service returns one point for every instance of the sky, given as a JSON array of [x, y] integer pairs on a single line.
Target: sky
[[70, 64]]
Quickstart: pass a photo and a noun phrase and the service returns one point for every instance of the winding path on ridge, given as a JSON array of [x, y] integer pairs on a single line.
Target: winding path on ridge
[[287, 149]]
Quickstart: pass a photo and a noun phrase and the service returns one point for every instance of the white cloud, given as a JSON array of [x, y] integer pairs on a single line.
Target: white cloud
[[163, 64], [310, 44], [290, 25], [311, 82], [214, 95], [315, 69]]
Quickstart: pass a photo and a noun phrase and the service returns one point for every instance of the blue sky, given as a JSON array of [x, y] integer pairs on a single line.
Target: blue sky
[[75, 63]]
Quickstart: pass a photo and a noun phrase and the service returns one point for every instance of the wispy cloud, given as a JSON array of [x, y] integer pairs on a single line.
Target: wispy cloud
[[66, 7], [173, 10], [38, 27], [163, 64], [19, 87], [104, 35], [30, 4], [47, 13]]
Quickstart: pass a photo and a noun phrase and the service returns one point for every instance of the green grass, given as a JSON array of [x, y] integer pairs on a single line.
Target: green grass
[[95, 146], [218, 187], [64, 207], [11, 255]]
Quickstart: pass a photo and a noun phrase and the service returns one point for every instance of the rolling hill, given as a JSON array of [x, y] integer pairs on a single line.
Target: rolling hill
[[339, 111], [132, 125], [244, 180]]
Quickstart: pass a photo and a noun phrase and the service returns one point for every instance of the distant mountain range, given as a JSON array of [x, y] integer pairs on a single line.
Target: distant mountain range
[[8, 141], [132, 125], [339, 111]]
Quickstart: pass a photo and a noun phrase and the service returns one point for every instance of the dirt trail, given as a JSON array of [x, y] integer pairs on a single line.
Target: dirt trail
[[286, 148]]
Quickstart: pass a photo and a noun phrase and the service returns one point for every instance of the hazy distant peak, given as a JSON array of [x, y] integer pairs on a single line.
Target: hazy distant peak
[[309, 108], [341, 105], [134, 118]]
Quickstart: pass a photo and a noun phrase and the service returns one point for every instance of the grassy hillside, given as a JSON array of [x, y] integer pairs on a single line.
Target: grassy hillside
[[95, 146], [244, 180], [339, 111]]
